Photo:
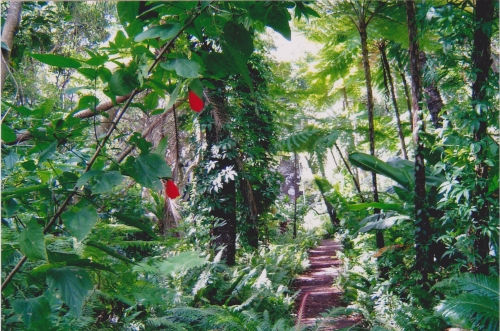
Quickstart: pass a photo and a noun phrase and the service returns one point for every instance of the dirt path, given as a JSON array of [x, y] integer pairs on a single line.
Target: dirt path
[[317, 294]]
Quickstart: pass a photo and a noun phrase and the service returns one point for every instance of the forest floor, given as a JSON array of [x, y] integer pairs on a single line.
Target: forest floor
[[317, 291]]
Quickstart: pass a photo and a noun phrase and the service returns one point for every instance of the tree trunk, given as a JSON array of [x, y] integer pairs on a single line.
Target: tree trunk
[[354, 179], [223, 232], [252, 226], [332, 213], [481, 57], [423, 235], [387, 70], [369, 103], [407, 96], [432, 97], [9, 31]]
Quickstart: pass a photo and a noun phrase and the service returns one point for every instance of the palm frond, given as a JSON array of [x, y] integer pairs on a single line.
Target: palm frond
[[471, 297], [481, 312]]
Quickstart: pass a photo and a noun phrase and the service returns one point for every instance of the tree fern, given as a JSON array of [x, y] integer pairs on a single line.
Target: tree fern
[[471, 298]]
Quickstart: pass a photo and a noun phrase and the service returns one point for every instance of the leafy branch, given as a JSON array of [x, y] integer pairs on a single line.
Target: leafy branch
[[98, 151]]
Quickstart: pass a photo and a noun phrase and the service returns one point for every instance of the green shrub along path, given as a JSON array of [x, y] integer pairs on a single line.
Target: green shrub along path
[[318, 294]]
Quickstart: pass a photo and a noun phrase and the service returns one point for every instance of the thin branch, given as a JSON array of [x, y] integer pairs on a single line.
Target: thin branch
[[148, 130]]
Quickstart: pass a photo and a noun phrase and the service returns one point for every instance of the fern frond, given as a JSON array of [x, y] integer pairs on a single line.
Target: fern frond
[[481, 311], [212, 318], [157, 322], [480, 285], [299, 141], [471, 297]]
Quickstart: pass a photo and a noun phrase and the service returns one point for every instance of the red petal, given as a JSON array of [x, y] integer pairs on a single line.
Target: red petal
[[171, 189], [195, 102]]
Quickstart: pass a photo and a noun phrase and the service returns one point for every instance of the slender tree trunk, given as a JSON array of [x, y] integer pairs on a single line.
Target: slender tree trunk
[[354, 179], [481, 57], [9, 31], [346, 102], [332, 213], [432, 97], [387, 70], [423, 235], [369, 103], [407, 96]]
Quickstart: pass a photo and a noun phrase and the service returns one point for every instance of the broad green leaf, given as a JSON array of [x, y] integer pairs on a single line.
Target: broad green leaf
[[384, 223], [20, 109], [165, 31], [96, 59], [45, 107], [301, 9], [148, 169], [10, 206], [88, 102], [32, 241], [87, 176], [173, 96], [106, 182], [127, 11], [183, 67], [121, 83], [217, 64], [8, 134], [38, 275], [380, 205], [34, 312], [137, 223], [47, 152], [61, 256], [109, 251], [197, 87], [73, 284], [182, 261], [80, 222], [277, 19], [237, 64], [161, 148], [239, 39], [29, 165], [10, 160], [138, 140], [88, 264], [10, 193], [90, 73], [57, 60], [151, 101], [371, 163]]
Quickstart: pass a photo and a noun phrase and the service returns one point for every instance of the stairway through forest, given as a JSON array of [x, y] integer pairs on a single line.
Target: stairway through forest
[[317, 293]]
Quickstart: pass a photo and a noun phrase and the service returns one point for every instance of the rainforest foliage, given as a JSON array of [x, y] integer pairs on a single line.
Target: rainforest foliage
[[161, 170]]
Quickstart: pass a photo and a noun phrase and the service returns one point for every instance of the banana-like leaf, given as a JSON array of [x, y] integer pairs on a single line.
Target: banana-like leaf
[[371, 163], [380, 205], [383, 223]]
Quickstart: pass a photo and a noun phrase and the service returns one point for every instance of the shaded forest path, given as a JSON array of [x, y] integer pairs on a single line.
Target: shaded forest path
[[317, 293]]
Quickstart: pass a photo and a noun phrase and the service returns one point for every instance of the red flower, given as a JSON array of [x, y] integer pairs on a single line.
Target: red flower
[[195, 102], [171, 189]]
